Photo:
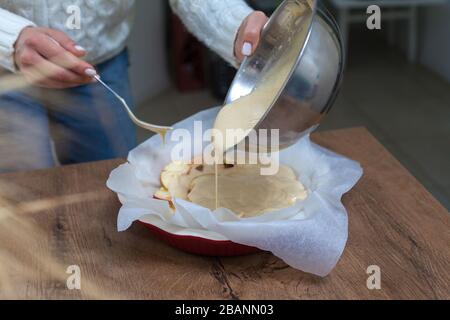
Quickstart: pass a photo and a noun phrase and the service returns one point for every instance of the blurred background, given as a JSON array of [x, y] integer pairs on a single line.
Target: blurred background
[[396, 84]]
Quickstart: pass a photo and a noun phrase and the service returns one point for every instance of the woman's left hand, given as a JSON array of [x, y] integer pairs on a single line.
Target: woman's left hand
[[248, 35]]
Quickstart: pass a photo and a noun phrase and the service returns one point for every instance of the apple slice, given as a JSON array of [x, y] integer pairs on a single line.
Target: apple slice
[[177, 166], [167, 177], [163, 194], [172, 171]]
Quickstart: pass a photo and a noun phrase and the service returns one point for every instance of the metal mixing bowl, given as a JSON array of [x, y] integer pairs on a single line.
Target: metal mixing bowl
[[312, 86]]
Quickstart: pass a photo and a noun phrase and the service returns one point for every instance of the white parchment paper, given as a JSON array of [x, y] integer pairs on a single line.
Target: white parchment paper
[[309, 236]]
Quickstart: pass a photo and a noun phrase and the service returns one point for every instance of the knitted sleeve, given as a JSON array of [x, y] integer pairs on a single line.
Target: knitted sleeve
[[214, 22], [10, 27]]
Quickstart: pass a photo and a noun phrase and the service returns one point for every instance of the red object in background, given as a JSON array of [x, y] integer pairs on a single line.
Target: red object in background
[[187, 57], [201, 246]]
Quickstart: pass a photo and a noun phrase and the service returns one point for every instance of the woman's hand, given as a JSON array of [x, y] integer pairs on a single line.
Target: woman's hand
[[248, 35], [49, 58]]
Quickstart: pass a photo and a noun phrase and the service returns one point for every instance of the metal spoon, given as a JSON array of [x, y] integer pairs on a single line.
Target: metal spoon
[[162, 130]]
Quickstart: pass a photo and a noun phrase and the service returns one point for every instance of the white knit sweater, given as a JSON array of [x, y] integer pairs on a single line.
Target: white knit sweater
[[214, 22], [106, 24]]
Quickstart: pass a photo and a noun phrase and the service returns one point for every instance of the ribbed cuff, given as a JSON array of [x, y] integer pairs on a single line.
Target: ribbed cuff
[[10, 27]]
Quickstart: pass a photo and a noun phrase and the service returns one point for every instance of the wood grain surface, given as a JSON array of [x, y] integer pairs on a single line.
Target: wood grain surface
[[66, 216]]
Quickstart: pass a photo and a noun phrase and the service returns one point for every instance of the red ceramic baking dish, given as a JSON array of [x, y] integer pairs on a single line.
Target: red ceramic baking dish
[[199, 245]]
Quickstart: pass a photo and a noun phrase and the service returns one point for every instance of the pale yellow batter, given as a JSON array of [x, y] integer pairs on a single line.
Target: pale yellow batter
[[243, 189]]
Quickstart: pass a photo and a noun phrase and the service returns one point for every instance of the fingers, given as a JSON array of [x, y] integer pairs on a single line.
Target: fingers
[[42, 72], [249, 34], [49, 58], [56, 53], [66, 42], [37, 78], [253, 28]]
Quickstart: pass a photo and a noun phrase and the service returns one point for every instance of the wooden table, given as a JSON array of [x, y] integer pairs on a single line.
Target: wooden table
[[66, 216]]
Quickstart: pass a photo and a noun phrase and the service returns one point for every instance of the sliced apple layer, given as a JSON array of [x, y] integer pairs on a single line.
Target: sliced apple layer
[[242, 188]]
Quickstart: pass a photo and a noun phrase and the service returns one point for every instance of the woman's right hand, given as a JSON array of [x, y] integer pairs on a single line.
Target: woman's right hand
[[49, 58], [248, 35]]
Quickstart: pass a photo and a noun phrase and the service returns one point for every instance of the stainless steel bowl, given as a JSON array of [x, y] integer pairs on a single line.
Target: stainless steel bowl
[[312, 86]]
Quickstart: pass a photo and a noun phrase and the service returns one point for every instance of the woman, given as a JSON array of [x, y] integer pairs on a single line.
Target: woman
[[59, 61]]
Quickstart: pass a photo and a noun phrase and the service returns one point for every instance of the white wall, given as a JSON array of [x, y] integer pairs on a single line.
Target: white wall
[[435, 39], [148, 71]]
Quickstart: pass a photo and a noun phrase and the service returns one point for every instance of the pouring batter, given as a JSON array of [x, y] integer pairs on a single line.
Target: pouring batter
[[242, 115], [242, 188], [234, 122]]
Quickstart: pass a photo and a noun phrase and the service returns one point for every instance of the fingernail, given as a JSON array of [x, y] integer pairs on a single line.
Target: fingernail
[[80, 48], [90, 72], [247, 49]]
